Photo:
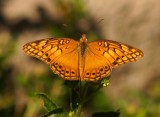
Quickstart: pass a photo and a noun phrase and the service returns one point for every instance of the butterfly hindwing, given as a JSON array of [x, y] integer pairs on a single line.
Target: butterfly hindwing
[[66, 65], [96, 66]]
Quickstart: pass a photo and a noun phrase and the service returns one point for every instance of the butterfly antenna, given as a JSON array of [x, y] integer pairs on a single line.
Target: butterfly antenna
[[80, 34], [67, 30], [100, 21]]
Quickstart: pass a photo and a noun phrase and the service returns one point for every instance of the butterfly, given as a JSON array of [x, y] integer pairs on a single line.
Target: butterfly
[[85, 61]]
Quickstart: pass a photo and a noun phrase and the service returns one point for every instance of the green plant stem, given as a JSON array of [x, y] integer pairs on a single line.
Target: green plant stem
[[82, 97], [83, 93], [91, 95]]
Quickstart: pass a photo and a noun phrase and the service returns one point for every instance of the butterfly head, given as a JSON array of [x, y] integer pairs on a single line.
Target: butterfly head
[[83, 39]]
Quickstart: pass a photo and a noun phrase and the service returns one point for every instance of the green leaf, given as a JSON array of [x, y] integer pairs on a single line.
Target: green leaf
[[48, 103], [58, 111]]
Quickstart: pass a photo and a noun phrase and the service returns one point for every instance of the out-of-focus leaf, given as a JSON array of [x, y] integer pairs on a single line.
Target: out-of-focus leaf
[[48, 103]]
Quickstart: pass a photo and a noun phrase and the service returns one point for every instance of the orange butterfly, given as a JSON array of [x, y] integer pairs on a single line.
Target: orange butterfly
[[81, 60]]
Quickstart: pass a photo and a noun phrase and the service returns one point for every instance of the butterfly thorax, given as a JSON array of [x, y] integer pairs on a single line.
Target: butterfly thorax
[[82, 52], [83, 44]]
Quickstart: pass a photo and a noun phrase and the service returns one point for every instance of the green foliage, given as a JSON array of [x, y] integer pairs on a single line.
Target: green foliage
[[51, 106], [78, 98]]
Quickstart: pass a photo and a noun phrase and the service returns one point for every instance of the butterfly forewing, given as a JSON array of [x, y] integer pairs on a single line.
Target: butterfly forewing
[[116, 53], [42, 49]]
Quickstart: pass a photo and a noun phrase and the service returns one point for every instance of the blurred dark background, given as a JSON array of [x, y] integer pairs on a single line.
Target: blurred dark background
[[134, 88]]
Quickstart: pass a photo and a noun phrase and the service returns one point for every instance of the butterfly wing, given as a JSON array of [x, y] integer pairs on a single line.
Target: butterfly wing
[[95, 66], [61, 54], [116, 53], [103, 55], [100, 57]]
